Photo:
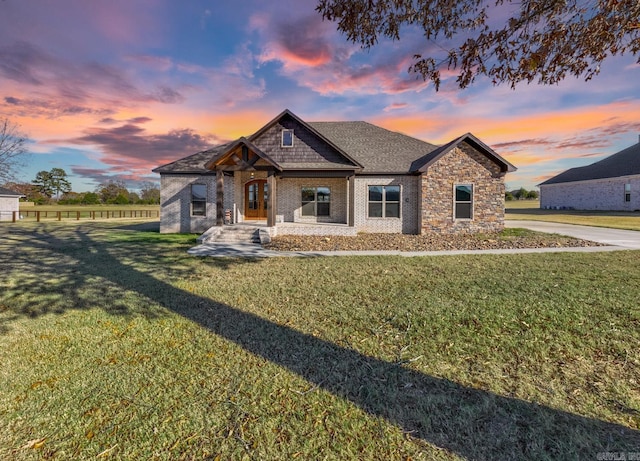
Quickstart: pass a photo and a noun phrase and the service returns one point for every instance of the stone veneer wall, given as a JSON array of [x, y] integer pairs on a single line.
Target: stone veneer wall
[[596, 194], [407, 223], [7, 206], [289, 200], [175, 202], [463, 165]]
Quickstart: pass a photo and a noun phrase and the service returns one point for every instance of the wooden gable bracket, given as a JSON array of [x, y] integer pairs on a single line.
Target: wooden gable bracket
[[238, 163]]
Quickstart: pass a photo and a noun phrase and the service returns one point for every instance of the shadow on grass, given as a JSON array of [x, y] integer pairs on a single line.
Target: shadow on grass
[[473, 423]]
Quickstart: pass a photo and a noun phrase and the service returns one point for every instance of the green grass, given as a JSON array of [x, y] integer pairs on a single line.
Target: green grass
[[118, 344], [530, 210]]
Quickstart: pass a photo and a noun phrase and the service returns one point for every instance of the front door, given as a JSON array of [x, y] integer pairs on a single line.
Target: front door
[[255, 199]]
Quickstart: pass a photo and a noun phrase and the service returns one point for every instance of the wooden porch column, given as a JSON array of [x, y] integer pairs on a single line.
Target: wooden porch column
[[351, 200], [271, 198], [219, 198]]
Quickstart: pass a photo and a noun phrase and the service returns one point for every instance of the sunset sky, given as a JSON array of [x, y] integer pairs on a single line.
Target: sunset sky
[[112, 89]]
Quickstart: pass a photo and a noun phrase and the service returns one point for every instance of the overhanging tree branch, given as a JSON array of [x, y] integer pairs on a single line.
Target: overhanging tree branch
[[543, 40]]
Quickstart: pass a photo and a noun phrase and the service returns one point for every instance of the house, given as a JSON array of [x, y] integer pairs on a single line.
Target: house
[[9, 203], [336, 178], [610, 184]]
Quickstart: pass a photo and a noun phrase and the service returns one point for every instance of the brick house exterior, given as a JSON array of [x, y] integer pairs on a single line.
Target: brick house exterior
[[336, 178], [612, 184], [9, 203]]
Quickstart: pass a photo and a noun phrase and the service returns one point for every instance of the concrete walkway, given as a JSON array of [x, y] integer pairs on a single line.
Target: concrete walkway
[[622, 238], [614, 238]]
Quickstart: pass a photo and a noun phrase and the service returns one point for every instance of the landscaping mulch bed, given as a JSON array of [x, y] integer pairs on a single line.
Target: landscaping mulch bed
[[509, 238]]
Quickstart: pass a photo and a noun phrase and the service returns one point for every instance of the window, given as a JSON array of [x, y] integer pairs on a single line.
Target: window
[[463, 206], [627, 192], [316, 201], [198, 200], [287, 138], [384, 201]]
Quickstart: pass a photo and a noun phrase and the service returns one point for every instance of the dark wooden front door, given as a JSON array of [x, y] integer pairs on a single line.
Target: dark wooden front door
[[255, 199]]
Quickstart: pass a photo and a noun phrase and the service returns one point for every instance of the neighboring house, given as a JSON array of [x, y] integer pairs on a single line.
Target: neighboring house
[[337, 178], [610, 184], [9, 202]]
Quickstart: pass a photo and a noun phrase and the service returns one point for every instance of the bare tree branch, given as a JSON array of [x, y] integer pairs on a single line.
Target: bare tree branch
[[12, 149]]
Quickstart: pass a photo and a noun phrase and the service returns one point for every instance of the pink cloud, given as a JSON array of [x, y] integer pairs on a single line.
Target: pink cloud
[[313, 54], [396, 106], [129, 147]]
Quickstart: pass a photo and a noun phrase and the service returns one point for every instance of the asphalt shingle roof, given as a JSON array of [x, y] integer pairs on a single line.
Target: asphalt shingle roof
[[377, 149], [194, 163], [5, 191], [624, 163]]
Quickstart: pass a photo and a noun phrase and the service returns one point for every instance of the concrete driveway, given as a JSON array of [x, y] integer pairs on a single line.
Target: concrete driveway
[[616, 237]]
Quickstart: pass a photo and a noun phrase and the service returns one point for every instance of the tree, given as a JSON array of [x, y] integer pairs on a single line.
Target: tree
[[133, 198], [43, 183], [150, 193], [52, 182], [90, 198], [12, 149], [109, 191], [537, 39], [521, 193], [70, 198], [30, 191], [59, 182]]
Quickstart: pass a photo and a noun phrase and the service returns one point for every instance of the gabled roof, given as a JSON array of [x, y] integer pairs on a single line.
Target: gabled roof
[[377, 149], [361, 147], [312, 129], [233, 146], [9, 192], [623, 163], [193, 163], [422, 164]]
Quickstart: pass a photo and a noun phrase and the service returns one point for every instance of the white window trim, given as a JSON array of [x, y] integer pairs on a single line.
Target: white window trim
[[384, 202], [473, 202], [282, 144]]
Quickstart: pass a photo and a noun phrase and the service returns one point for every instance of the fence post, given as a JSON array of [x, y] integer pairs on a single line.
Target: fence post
[[78, 216], [14, 216], [38, 216], [59, 215]]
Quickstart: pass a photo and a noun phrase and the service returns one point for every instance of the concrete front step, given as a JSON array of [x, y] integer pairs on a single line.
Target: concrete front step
[[235, 234], [238, 234]]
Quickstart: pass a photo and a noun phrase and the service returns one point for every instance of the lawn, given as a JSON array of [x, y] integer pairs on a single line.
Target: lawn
[[530, 210], [117, 344]]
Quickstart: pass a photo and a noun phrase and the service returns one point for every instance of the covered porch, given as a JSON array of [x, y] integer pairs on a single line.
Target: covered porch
[[253, 188]]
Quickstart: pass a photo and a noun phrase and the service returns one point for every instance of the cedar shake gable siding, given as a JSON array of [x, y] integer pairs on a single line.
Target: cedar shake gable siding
[[309, 150]]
